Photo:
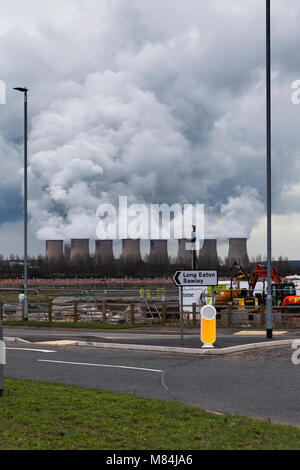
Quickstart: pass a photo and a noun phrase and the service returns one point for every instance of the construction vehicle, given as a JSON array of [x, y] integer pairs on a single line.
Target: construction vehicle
[[283, 292]]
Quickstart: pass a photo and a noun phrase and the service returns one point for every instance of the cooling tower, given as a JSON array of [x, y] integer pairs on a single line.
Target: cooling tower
[[184, 256], [208, 256], [67, 252], [159, 252], [80, 250], [54, 250], [104, 251], [238, 251], [131, 251]]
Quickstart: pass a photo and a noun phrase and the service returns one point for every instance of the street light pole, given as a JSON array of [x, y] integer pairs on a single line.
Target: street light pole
[[194, 248], [269, 308], [24, 91]]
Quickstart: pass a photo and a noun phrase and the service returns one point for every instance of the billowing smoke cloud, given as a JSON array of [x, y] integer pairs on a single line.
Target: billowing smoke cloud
[[164, 104], [238, 215]]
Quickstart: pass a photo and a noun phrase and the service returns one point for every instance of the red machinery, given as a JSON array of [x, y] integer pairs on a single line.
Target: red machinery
[[283, 293]]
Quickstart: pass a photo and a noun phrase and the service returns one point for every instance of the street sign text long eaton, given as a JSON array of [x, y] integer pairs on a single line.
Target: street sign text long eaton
[[196, 278]]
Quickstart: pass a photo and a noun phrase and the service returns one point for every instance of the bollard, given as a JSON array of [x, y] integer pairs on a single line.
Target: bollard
[[208, 326]]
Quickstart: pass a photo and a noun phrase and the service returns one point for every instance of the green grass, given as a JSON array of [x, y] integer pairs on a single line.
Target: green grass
[[36, 415], [108, 326]]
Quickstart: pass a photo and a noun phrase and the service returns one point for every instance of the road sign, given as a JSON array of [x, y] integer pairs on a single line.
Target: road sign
[[196, 278]]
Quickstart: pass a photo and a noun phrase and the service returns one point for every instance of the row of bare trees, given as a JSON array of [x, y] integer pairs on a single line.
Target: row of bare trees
[[91, 267]]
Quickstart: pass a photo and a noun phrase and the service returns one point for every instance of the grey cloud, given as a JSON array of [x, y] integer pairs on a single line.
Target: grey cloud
[[164, 103]]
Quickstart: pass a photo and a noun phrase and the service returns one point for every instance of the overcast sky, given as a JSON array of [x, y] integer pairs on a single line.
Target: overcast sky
[[161, 101]]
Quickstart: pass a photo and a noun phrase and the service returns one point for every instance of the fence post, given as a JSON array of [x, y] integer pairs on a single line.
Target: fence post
[[50, 311], [262, 315], [164, 314], [132, 313], [75, 311], [104, 312], [229, 312], [194, 315]]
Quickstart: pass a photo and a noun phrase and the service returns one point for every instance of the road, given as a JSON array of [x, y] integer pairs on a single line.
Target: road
[[148, 336], [262, 384]]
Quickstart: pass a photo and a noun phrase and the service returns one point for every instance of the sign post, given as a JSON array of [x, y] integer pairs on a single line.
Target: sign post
[[2, 360], [193, 278], [181, 313]]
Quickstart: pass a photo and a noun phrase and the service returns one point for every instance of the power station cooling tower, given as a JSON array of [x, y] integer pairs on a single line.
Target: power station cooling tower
[[54, 250], [208, 256], [131, 251], [159, 252], [67, 252], [184, 255], [104, 251], [80, 250], [238, 251]]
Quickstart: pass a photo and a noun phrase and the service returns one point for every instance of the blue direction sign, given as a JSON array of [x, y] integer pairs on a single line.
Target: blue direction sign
[[196, 278]]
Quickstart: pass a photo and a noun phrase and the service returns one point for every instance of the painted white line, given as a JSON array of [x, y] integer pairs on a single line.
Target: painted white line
[[214, 413], [35, 350], [101, 365], [12, 339]]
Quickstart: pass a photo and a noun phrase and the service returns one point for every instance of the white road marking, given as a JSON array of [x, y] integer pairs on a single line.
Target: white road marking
[[101, 365], [134, 336], [35, 350], [258, 333]]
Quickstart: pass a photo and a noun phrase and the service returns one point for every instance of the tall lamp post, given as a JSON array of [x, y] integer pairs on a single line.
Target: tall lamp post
[[269, 308], [194, 248], [24, 91]]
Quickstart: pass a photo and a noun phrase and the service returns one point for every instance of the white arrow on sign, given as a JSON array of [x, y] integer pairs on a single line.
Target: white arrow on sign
[[196, 278]]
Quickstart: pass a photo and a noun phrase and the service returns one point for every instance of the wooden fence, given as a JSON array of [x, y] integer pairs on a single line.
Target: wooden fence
[[110, 311]]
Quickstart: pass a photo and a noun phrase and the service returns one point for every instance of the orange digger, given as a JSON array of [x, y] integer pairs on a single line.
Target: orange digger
[[283, 292]]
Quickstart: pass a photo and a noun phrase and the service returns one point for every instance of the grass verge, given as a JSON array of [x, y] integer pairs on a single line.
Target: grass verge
[[36, 415], [109, 326]]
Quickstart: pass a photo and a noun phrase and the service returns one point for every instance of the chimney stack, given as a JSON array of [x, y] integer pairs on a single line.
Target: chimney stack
[[238, 251], [54, 250], [131, 251], [184, 255], [80, 250], [208, 256], [104, 251], [159, 252]]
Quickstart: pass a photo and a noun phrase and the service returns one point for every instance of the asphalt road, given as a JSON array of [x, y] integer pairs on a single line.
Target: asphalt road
[[153, 337], [263, 384]]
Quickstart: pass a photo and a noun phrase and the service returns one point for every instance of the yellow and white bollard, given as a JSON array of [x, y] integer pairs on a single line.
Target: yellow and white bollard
[[208, 326]]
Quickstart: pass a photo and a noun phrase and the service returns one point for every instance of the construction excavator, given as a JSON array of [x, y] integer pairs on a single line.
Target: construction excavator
[[283, 293]]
